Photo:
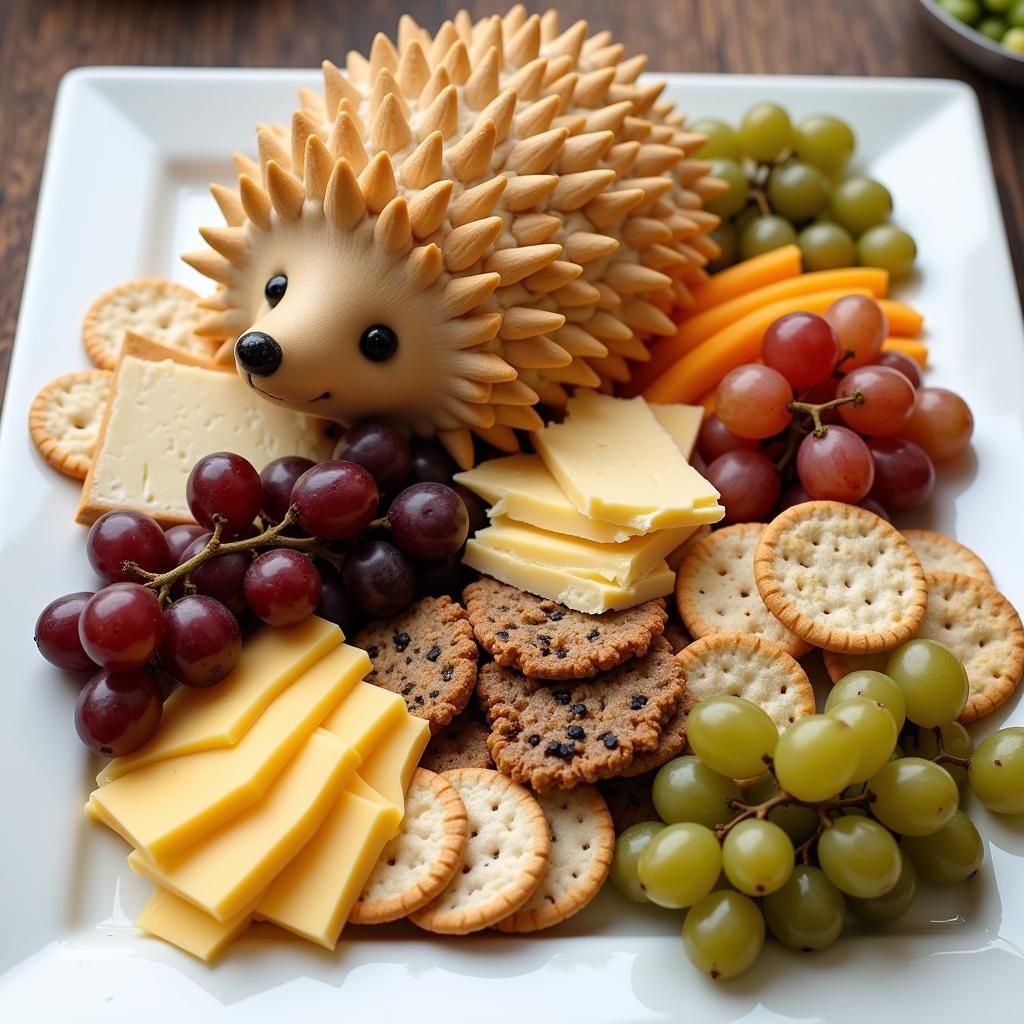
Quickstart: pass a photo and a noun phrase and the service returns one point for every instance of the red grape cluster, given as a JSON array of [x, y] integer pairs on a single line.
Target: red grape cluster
[[354, 537], [828, 414]]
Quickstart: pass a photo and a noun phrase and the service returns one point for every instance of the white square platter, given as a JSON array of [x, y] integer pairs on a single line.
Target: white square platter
[[124, 189]]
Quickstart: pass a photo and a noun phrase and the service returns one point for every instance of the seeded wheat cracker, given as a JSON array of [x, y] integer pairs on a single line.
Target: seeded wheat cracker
[[65, 418], [462, 743]]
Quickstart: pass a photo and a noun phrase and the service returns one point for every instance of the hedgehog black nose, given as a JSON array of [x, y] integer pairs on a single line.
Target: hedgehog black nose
[[258, 353]]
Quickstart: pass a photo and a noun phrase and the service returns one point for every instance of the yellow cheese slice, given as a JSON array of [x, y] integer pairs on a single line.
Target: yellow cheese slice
[[183, 925], [229, 868], [197, 719], [365, 717], [389, 769], [583, 593], [623, 563], [616, 463], [682, 422], [167, 806]]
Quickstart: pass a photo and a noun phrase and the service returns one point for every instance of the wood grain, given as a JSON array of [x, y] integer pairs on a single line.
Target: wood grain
[[41, 39]]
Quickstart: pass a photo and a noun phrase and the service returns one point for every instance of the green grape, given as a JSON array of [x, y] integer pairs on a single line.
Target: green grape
[[956, 740], [807, 912], [859, 203], [765, 132], [686, 789], [763, 234], [824, 141], [875, 686], [825, 246], [994, 28], [998, 6], [731, 736], [913, 797], [796, 190], [894, 903], [815, 757], [724, 236], [1014, 39], [859, 857], [1015, 14], [732, 201], [757, 857], [680, 865], [721, 139], [933, 681], [723, 934], [875, 732], [628, 848], [796, 821], [997, 771], [963, 10], [888, 247], [949, 856]]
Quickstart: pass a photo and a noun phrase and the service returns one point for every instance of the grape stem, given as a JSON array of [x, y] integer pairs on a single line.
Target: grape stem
[[762, 810], [273, 536], [815, 409], [942, 756]]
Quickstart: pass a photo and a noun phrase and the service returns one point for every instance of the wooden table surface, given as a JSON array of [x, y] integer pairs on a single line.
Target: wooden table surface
[[41, 39]]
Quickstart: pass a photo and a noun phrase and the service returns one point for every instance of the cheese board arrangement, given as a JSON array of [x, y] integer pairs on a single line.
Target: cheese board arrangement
[[539, 514]]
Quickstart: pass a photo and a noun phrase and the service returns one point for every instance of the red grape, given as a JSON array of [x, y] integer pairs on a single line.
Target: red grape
[[202, 641], [56, 632], [873, 506], [221, 577], [282, 587], [888, 400], [278, 478], [121, 626], [335, 603], [941, 424], [836, 466], [861, 327], [431, 463], [752, 401], [428, 521], [748, 483], [903, 363], [379, 578], [381, 449], [224, 484], [117, 712], [802, 347], [716, 439], [180, 537], [336, 499], [795, 495], [904, 475], [122, 536]]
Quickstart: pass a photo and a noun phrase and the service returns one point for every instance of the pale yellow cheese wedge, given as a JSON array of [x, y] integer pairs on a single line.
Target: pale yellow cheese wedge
[[166, 806], [615, 462], [366, 717], [183, 925], [230, 867], [682, 422], [623, 563], [584, 593], [389, 769], [197, 719]]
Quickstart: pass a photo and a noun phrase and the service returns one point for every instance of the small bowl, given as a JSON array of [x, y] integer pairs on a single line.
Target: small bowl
[[970, 45]]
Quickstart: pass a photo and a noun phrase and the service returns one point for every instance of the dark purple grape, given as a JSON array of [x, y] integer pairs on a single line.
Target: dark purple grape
[[379, 578], [121, 626], [431, 464], [278, 479], [795, 495], [904, 474], [748, 483], [445, 576], [428, 521], [335, 500], [476, 508], [874, 506], [126, 536], [202, 642], [221, 577], [335, 603], [282, 587], [117, 712], [56, 632], [180, 537], [381, 449], [224, 484]]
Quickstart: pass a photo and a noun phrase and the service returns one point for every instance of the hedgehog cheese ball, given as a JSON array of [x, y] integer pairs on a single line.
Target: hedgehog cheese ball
[[460, 228]]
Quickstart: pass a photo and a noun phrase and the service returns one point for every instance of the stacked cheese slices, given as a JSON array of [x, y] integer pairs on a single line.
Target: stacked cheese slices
[[589, 520], [268, 797]]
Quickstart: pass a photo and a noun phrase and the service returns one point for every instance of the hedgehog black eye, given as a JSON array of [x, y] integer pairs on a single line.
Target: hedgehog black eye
[[275, 289], [378, 343]]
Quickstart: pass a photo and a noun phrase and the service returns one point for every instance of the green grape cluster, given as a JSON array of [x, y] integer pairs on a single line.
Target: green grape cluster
[[787, 184], [1002, 21], [784, 835]]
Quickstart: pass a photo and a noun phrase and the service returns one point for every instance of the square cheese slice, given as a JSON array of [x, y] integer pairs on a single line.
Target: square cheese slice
[[682, 423], [167, 806], [584, 593], [178, 922], [162, 416], [366, 718], [389, 769], [228, 869], [623, 563], [616, 463], [203, 718]]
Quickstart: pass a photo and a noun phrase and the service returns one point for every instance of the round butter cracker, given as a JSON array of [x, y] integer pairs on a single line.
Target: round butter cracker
[[64, 419], [939, 553]]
